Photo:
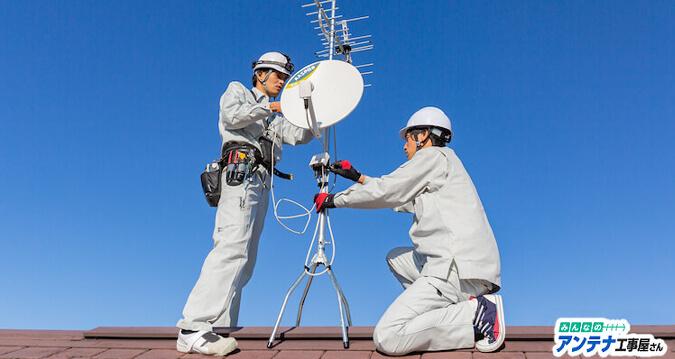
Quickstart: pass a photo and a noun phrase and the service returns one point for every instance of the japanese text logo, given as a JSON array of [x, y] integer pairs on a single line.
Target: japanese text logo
[[603, 337]]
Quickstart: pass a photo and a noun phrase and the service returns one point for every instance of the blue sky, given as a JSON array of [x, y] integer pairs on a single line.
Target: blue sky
[[563, 115]]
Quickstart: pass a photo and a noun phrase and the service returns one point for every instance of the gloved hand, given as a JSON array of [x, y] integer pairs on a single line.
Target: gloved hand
[[345, 169], [323, 201]]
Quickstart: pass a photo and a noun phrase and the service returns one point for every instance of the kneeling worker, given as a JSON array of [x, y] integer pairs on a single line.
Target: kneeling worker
[[450, 274]]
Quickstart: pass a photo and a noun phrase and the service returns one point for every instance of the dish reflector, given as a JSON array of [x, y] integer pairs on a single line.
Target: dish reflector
[[336, 89]]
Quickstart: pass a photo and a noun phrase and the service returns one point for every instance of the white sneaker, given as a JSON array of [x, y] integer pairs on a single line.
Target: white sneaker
[[489, 322], [205, 342]]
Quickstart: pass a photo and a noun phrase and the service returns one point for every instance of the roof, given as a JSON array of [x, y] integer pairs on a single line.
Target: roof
[[523, 342]]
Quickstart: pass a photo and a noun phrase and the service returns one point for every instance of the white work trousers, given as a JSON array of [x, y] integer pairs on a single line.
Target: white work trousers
[[215, 298], [431, 314]]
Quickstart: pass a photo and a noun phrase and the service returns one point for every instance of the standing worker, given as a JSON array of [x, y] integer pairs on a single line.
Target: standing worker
[[450, 274], [250, 125]]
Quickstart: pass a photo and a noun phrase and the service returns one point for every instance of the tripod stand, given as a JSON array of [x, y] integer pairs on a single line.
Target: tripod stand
[[319, 164]]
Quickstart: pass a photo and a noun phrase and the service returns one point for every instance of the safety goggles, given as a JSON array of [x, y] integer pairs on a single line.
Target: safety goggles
[[288, 65]]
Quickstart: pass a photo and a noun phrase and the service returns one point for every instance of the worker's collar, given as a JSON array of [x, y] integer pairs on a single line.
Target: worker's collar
[[257, 94]]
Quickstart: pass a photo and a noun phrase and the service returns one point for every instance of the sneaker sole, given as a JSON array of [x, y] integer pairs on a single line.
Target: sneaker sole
[[229, 349], [487, 348], [181, 347]]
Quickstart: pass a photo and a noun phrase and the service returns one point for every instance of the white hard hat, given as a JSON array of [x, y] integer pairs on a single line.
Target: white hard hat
[[274, 60], [427, 116]]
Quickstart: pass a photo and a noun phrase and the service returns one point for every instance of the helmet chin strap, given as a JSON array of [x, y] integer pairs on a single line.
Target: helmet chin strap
[[264, 82], [419, 144]]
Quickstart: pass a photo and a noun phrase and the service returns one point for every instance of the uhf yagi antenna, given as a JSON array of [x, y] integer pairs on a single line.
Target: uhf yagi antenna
[[316, 98], [323, 93], [336, 36]]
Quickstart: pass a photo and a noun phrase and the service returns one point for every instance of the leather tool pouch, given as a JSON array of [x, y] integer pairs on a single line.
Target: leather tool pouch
[[266, 158], [211, 182], [239, 162], [266, 151]]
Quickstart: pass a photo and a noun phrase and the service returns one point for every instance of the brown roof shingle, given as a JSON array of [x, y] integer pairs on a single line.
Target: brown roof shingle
[[298, 343]]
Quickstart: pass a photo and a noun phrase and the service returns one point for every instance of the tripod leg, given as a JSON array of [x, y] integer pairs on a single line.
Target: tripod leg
[[349, 315], [345, 339], [304, 294], [344, 302], [283, 307]]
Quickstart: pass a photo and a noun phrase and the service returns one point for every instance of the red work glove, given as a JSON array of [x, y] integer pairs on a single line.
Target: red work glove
[[345, 169], [323, 201]]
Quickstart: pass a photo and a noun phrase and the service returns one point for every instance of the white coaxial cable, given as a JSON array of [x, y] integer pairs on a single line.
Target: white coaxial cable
[[275, 203], [311, 245]]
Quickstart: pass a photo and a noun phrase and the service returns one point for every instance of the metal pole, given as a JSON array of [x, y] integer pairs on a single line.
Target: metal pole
[[345, 339], [332, 30], [344, 300], [304, 294], [283, 307]]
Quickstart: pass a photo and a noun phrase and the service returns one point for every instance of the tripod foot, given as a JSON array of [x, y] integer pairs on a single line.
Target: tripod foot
[[346, 345], [269, 345]]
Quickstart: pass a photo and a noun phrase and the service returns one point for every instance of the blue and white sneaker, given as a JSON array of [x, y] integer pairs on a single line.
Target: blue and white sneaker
[[488, 323]]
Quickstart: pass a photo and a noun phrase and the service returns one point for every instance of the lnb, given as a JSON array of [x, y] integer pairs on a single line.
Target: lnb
[[319, 161]]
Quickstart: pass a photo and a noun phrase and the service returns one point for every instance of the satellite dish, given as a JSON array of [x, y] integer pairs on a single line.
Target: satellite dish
[[322, 94]]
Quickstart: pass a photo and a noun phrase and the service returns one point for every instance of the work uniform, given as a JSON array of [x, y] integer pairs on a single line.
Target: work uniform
[[214, 301], [455, 254]]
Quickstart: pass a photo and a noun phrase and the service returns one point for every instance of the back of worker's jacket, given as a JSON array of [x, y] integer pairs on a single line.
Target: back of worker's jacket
[[449, 222]]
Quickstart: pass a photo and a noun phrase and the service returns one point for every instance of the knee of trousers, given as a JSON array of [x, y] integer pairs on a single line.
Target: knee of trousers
[[395, 253], [385, 339]]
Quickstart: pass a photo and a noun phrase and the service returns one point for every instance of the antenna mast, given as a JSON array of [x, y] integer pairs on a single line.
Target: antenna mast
[[337, 40]]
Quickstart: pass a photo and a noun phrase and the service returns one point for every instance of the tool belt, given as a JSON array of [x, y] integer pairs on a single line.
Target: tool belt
[[266, 158], [239, 160]]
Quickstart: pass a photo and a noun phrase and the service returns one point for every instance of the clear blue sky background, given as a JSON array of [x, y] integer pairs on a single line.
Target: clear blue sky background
[[563, 114]]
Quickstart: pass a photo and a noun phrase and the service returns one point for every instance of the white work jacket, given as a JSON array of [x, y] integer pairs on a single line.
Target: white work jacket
[[449, 221], [244, 118]]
